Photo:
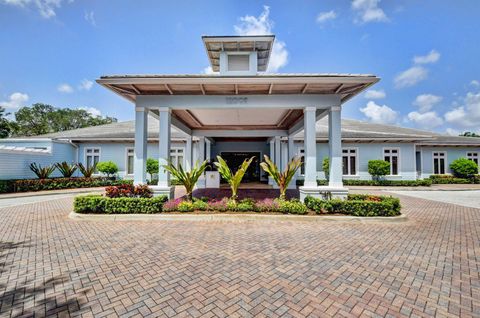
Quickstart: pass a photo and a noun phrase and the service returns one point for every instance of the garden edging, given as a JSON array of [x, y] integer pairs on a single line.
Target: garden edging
[[225, 217]]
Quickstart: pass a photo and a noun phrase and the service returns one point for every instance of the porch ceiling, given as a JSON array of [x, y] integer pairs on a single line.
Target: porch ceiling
[[238, 118], [345, 85]]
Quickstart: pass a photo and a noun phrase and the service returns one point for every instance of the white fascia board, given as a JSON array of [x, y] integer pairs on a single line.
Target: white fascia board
[[237, 101], [26, 140], [211, 79]]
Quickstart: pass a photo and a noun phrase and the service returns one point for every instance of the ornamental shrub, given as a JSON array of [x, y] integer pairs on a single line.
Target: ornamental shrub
[[109, 168], [101, 204], [25, 185], [266, 205], [128, 190], [185, 206], [293, 206], [464, 168], [357, 205], [449, 179], [378, 168], [200, 205]]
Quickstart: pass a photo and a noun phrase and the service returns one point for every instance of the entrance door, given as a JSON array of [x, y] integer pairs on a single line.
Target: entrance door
[[235, 160]]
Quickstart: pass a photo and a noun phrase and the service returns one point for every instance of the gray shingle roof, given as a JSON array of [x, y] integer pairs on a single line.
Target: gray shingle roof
[[352, 130]]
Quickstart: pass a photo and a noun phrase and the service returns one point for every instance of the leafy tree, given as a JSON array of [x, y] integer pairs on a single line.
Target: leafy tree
[[5, 124], [109, 168], [187, 178], [152, 167], [463, 168], [470, 134], [43, 119], [326, 167], [281, 178], [232, 179], [378, 168]]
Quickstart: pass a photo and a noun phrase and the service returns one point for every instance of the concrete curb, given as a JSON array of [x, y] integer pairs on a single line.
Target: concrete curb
[[222, 217]]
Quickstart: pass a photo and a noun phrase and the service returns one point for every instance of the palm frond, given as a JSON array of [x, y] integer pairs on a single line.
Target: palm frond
[[233, 180], [282, 179], [187, 178], [42, 172], [66, 169]]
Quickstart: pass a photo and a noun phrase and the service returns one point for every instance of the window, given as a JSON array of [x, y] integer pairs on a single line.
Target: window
[[130, 160], [392, 155], [349, 159], [176, 156], [473, 156], [238, 62], [92, 156], [439, 160], [301, 154]]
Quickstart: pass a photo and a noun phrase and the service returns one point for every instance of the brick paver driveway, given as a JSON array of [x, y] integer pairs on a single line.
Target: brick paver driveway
[[51, 265]]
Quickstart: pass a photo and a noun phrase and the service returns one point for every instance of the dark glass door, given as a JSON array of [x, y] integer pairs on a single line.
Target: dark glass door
[[235, 160]]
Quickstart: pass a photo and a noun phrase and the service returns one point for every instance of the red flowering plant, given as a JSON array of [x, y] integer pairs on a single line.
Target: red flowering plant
[[129, 191]]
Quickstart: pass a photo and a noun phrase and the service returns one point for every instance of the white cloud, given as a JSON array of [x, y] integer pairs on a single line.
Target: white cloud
[[411, 76], [326, 16], [468, 114], [430, 58], [368, 11], [475, 83], [452, 132], [65, 88], [379, 114], [208, 70], [92, 110], [16, 100], [46, 8], [89, 16], [262, 25], [375, 94], [85, 85], [425, 120], [425, 102]]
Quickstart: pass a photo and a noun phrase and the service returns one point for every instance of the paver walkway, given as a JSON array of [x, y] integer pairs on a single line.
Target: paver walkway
[[51, 265]]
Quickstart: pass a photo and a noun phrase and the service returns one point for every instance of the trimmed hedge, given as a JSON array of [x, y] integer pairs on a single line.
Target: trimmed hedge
[[64, 183], [385, 183], [449, 179], [357, 205], [101, 204]]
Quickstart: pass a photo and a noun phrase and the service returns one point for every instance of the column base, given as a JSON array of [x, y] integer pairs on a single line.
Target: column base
[[169, 191], [323, 192]]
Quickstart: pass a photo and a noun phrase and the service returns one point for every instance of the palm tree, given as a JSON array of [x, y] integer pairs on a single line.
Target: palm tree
[[187, 178], [282, 178], [232, 179]]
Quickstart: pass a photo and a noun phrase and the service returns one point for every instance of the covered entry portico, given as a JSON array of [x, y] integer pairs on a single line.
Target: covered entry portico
[[226, 107], [240, 102]]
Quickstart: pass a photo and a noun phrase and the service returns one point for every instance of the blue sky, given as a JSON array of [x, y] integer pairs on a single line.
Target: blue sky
[[426, 52]]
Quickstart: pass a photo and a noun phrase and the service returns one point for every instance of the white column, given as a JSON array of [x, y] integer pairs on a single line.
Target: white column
[[284, 150], [335, 146], [310, 147], [278, 153], [188, 153], [291, 155], [201, 158], [141, 135], [272, 157], [164, 122], [208, 149]]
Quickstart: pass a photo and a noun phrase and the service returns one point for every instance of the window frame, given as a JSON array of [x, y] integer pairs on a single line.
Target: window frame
[[127, 149], [176, 153], [348, 161], [445, 162], [473, 158], [399, 161], [300, 154], [93, 151]]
